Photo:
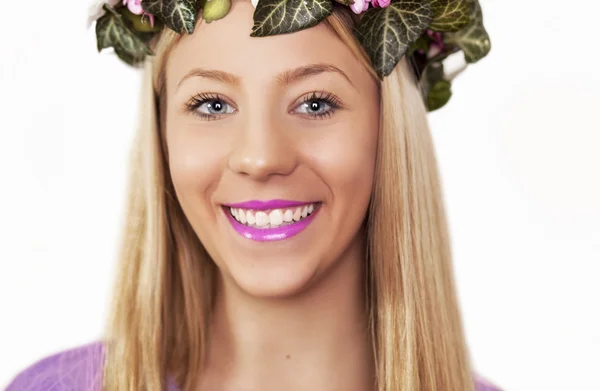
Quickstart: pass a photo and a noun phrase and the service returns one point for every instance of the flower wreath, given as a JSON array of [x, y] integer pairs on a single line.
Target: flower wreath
[[426, 30]]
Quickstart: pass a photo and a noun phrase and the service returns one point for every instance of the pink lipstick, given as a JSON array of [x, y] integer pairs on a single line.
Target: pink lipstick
[[271, 204], [265, 221]]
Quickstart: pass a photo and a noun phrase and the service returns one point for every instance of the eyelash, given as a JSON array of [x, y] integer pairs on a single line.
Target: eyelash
[[330, 99], [198, 100], [321, 96]]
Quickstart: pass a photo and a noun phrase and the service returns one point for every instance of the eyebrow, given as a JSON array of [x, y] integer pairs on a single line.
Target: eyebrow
[[285, 78], [295, 75]]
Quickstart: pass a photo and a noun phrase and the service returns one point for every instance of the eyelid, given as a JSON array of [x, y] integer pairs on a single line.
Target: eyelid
[[206, 96], [192, 105], [329, 97], [199, 99]]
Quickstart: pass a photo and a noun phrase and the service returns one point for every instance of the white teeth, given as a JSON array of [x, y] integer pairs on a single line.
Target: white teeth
[[274, 218], [297, 214], [262, 219], [288, 216], [250, 218]]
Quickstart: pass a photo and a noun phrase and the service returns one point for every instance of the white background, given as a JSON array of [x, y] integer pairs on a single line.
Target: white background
[[518, 148]]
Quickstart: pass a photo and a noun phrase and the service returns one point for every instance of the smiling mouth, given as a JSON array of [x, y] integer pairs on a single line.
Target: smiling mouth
[[272, 218], [268, 221]]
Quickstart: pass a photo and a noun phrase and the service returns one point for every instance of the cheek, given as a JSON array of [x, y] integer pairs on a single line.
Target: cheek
[[345, 160], [196, 161]]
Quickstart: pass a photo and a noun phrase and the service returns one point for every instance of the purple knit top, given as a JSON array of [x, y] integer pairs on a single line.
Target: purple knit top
[[80, 369]]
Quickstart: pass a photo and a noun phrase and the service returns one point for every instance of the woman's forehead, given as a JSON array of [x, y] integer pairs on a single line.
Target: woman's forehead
[[226, 45]]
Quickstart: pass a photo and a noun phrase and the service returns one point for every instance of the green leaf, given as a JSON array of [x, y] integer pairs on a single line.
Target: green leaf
[[215, 9], [432, 73], [387, 33], [178, 15], [422, 43], [141, 23], [434, 86], [450, 15], [112, 30], [473, 40], [273, 17], [439, 95], [345, 2]]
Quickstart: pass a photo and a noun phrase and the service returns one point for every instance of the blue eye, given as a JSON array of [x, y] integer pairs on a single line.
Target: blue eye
[[314, 107], [215, 106], [209, 106], [318, 105]]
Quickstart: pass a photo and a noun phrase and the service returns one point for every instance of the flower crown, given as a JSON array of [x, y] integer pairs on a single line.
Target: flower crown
[[426, 30]]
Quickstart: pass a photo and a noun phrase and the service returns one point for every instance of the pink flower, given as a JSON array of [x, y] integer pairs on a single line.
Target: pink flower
[[437, 45], [380, 3], [360, 6], [135, 6]]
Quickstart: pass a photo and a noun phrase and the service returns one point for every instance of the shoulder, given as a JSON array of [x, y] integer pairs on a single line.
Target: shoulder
[[482, 384], [77, 369]]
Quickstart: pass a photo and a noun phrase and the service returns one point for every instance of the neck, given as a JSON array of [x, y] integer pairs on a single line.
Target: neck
[[316, 340]]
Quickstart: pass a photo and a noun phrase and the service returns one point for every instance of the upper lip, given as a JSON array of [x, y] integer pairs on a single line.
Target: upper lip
[[270, 204]]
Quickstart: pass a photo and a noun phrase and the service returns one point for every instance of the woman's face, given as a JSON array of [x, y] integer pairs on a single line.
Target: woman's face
[[272, 145]]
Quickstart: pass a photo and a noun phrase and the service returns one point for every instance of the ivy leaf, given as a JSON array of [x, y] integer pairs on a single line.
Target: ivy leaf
[[273, 17], [434, 86], [387, 33], [422, 43], [432, 73], [450, 15], [112, 30], [439, 94], [178, 15], [473, 40], [345, 2]]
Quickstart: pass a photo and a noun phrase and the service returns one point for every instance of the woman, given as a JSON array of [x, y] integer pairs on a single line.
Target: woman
[[285, 227]]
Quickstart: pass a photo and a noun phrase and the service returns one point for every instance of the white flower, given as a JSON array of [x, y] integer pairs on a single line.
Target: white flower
[[96, 10], [254, 2]]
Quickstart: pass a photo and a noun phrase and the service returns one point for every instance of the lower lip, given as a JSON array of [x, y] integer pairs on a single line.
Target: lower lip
[[271, 234]]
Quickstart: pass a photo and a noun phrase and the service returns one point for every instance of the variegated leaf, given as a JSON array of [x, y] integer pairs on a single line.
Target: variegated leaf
[[473, 40], [450, 15], [387, 33], [273, 17], [178, 15], [112, 30]]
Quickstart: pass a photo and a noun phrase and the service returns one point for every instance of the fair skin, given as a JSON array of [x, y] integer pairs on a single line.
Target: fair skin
[[289, 314]]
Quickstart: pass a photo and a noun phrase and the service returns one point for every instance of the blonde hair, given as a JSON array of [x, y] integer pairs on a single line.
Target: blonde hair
[[163, 294]]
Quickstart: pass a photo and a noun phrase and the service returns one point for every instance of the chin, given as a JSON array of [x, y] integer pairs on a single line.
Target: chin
[[273, 277]]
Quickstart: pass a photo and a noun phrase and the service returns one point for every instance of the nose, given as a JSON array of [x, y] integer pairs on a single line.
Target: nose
[[262, 149]]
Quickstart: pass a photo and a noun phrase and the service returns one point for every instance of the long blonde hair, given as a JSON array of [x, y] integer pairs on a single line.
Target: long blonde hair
[[158, 327]]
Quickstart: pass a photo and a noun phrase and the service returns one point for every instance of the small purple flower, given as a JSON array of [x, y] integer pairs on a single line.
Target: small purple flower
[[135, 6]]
